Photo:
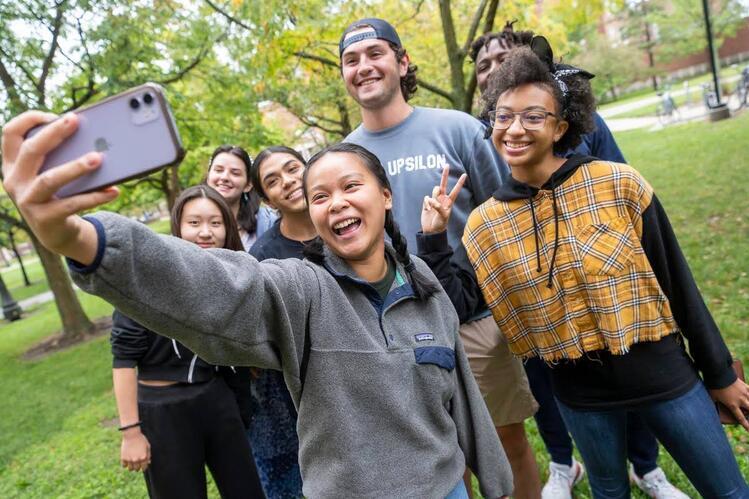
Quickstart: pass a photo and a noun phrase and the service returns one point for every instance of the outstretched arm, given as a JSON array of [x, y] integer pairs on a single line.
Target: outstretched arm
[[223, 305], [54, 221]]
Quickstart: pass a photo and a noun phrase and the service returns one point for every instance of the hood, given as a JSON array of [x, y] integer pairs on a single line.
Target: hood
[[513, 189]]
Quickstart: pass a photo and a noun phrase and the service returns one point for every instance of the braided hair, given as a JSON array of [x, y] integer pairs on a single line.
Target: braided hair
[[423, 287]]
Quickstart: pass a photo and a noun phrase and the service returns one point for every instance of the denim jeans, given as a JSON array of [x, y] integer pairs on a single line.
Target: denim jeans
[[642, 448], [459, 492], [687, 426]]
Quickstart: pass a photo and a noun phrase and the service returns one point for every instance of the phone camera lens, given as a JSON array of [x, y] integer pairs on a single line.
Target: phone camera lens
[[134, 104], [148, 99]]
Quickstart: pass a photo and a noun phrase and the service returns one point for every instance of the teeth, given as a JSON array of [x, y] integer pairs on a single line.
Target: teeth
[[516, 144], [345, 223]]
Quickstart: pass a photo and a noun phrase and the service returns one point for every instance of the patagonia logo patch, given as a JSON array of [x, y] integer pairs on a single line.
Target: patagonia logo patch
[[424, 337]]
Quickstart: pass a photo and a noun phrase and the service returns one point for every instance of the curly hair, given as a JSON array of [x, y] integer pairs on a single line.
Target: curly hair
[[408, 82], [507, 38], [523, 67]]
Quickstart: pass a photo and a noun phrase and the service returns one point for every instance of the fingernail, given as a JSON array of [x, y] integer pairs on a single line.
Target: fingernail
[[93, 158], [68, 119]]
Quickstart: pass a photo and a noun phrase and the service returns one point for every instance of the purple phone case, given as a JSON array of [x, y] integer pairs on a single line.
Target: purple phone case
[[129, 150]]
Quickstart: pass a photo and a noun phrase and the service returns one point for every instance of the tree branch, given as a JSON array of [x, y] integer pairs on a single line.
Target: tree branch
[[10, 87], [474, 26], [229, 16], [47, 64], [320, 59], [29, 75], [490, 15], [434, 89], [315, 124]]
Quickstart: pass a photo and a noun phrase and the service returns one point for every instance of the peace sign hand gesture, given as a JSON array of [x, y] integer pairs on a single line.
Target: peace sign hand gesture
[[435, 212]]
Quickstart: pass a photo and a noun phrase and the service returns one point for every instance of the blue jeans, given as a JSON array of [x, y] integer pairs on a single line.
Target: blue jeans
[[642, 448], [459, 492], [687, 426]]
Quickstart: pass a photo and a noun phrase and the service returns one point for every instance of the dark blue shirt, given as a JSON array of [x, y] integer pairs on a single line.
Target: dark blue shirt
[[599, 143]]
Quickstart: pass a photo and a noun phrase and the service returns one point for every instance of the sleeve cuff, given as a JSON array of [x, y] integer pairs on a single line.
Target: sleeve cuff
[[432, 243], [721, 380], [124, 363], [101, 243]]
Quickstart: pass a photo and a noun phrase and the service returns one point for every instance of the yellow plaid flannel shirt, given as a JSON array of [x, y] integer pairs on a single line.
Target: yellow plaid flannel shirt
[[604, 294]]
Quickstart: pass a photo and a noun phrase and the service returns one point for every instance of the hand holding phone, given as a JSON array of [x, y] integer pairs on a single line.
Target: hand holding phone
[[134, 131]]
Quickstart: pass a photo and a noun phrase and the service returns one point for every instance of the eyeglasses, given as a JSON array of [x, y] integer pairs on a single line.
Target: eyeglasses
[[530, 120]]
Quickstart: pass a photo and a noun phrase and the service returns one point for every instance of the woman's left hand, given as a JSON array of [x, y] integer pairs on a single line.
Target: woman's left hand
[[435, 212], [736, 398]]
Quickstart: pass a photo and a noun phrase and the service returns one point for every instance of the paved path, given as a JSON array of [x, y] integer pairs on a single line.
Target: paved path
[[694, 90], [36, 300]]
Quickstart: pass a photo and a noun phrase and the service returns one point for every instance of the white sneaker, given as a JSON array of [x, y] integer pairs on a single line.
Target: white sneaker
[[656, 485], [561, 480]]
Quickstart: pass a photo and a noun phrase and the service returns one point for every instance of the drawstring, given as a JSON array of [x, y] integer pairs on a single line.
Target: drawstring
[[535, 233], [176, 350], [556, 236]]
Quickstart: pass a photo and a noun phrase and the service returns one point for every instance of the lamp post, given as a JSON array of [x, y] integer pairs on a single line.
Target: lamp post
[[720, 110], [11, 308]]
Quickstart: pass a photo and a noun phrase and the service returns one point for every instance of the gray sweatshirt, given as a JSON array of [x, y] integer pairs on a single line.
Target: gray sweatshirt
[[415, 151], [387, 403]]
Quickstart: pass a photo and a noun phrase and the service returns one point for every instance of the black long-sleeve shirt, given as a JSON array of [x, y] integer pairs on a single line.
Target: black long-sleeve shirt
[[159, 358]]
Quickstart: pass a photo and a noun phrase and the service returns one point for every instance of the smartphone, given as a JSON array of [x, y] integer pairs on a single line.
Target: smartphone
[[135, 132]]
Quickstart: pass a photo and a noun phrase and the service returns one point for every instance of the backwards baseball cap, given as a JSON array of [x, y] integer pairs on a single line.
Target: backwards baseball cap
[[381, 29]]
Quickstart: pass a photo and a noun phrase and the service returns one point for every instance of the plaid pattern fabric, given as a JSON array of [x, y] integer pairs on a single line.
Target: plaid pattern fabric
[[604, 293]]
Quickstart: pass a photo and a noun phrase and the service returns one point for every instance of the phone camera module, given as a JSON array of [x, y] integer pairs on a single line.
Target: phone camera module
[[134, 103], [148, 99]]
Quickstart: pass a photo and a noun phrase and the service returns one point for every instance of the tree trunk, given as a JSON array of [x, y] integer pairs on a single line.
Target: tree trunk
[[26, 281], [75, 322], [170, 185]]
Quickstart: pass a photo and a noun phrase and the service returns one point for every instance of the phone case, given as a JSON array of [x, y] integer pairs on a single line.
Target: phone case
[[134, 130]]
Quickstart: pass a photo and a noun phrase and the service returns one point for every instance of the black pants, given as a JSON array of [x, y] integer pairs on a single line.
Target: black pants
[[642, 447], [188, 427]]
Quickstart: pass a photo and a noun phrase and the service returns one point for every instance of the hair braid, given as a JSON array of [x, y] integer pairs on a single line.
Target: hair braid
[[423, 287]]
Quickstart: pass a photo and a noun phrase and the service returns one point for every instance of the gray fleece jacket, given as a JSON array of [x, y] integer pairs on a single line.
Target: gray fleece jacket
[[387, 403]]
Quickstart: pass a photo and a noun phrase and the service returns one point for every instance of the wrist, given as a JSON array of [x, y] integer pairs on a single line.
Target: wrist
[[134, 425]]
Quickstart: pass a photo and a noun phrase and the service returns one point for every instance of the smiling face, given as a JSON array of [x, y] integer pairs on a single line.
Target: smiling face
[[228, 175], [523, 148], [488, 60], [371, 72], [347, 205], [202, 223], [281, 179]]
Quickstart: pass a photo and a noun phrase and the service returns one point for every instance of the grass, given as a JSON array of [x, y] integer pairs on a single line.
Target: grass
[[13, 278], [56, 440]]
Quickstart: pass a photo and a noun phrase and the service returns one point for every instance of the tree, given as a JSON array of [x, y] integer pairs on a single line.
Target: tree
[[88, 48], [613, 65], [681, 25]]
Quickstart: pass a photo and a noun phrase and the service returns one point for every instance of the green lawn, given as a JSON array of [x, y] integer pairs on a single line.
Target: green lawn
[[13, 278], [56, 437]]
